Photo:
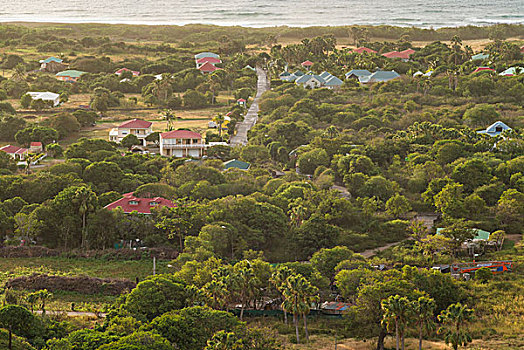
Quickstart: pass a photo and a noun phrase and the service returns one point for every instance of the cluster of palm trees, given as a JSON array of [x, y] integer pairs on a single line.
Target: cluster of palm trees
[[400, 313], [297, 295]]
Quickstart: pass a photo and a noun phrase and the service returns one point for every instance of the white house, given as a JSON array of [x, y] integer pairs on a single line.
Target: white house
[[18, 153], [138, 127], [181, 143], [495, 129], [46, 97]]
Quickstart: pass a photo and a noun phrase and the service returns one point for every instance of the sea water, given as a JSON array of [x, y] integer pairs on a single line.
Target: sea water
[[262, 13]]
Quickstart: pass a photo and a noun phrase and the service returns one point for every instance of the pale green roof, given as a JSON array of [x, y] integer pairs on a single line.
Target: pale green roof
[[235, 163], [480, 235], [70, 73], [480, 56]]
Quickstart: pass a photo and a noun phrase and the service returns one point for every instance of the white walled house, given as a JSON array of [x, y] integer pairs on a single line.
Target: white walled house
[[181, 143], [45, 96], [138, 127]]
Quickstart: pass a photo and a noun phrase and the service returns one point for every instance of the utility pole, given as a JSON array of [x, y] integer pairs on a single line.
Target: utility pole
[[154, 265]]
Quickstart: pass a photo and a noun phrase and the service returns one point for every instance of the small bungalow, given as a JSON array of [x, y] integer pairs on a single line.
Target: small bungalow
[[480, 56], [334, 307], [207, 68], [495, 129], [364, 49], [332, 82], [212, 60], [403, 55], [18, 153], [421, 74], [237, 164], [122, 70], [483, 69], [310, 81], [357, 73], [206, 54], [512, 71], [307, 64], [480, 235], [36, 147], [69, 75], [138, 127], [379, 76], [241, 102], [52, 65], [46, 96], [129, 203]]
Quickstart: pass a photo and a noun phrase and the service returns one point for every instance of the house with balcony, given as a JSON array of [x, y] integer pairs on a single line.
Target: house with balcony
[[181, 143], [138, 127], [130, 203], [18, 153]]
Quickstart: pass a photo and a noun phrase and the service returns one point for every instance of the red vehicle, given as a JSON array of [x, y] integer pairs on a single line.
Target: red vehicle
[[495, 267]]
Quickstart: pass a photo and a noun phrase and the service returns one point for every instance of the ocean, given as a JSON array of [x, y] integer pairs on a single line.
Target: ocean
[[264, 13]]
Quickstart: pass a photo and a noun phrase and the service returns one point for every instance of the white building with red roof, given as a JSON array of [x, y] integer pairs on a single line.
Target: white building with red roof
[[36, 147], [130, 203], [138, 127], [18, 153], [364, 49], [212, 60], [181, 143], [307, 64], [207, 68]]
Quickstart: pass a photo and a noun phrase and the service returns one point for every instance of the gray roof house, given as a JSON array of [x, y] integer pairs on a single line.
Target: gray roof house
[[357, 73], [333, 83], [379, 76], [495, 129], [310, 81]]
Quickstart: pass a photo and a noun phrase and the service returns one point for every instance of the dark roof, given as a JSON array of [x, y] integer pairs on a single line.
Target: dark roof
[[235, 163]]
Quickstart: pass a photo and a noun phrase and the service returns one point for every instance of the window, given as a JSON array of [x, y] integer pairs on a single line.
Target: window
[[153, 204], [498, 129], [133, 202]]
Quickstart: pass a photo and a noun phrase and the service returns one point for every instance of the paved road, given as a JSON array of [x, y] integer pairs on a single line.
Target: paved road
[[250, 119]]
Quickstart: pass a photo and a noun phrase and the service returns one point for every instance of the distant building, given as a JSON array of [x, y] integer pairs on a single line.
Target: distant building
[[480, 56], [36, 147], [403, 55], [512, 71], [70, 75], [122, 70], [307, 64], [237, 164], [130, 203], [480, 235], [379, 76], [495, 129], [207, 68], [138, 127], [313, 81], [241, 102], [18, 153], [52, 65], [212, 60], [483, 69], [357, 73], [46, 96], [181, 143], [206, 62]]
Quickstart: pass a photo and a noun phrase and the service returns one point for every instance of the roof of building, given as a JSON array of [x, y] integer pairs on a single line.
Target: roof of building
[[480, 56], [481, 69], [333, 81], [180, 134], [43, 95], [70, 73], [492, 129], [241, 100], [36, 144], [238, 164], [52, 59], [122, 70], [396, 54], [358, 73], [130, 203], [284, 74], [206, 54], [307, 63], [408, 51], [512, 71], [479, 234], [307, 77], [335, 306], [207, 67], [379, 76], [136, 123], [364, 49], [212, 60], [298, 73], [13, 149]]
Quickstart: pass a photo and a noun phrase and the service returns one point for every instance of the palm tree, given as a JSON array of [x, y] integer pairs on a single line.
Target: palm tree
[[219, 120], [331, 132], [216, 291], [397, 311], [454, 318], [423, 310], [170, 117], [43, 295], [84, 199], [278, 278], [246, 283]]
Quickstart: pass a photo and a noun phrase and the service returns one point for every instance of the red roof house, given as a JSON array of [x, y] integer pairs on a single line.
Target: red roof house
[[522, 49], [395, 54], [181, 143], [212, 60], [364, 49], [130, 203], [15, 151], [122, 70], [408, 51], [136, 124], [307, 64], [181, 134], [481, 69], [36, 147], [207, 68]]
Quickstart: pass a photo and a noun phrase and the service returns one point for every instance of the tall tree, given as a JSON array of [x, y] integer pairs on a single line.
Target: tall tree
[[397, 312], [454, 320]]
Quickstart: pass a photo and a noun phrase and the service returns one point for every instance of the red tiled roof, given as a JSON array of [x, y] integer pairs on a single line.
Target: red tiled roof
[[364, 49], [480, 69], [13, 149], [121, 70], [207, 67], [522, 49], [408, 51], [211, 60], [142, 205], [307, 63], [36, 144], [241, 100], [181, 134], [396, 54], [136, 123]]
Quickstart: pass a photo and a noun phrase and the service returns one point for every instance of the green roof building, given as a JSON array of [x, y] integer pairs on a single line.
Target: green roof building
[[480, 235], [238, 164]]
